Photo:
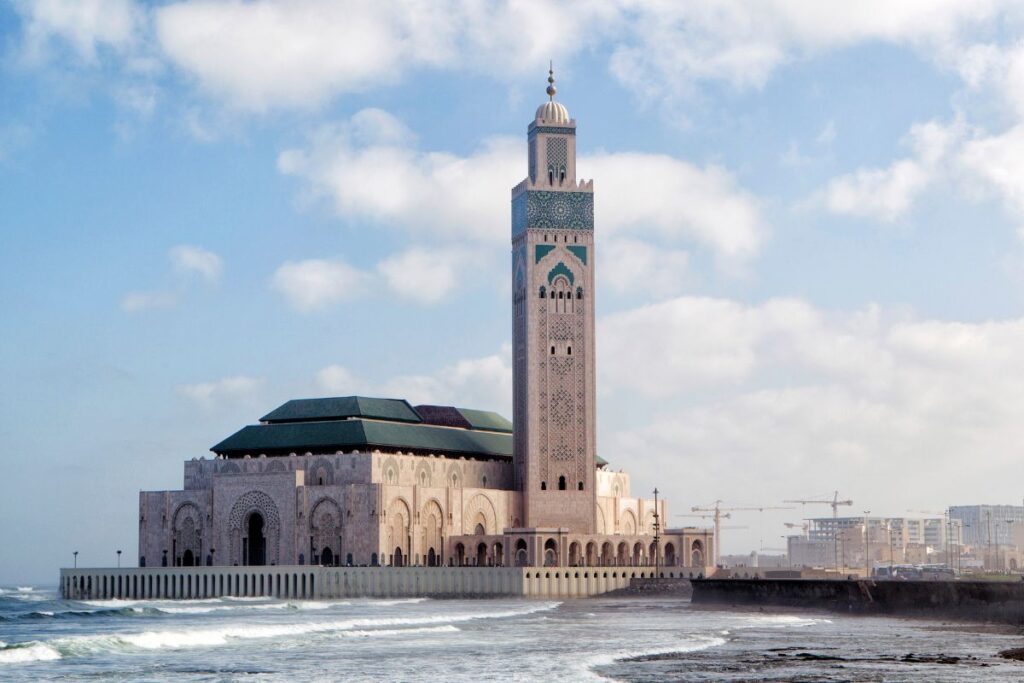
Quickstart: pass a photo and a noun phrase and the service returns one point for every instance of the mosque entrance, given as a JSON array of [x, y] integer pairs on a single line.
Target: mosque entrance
[[398, 558], [431, 558], [327, 557], [188, 559], [256, 544]]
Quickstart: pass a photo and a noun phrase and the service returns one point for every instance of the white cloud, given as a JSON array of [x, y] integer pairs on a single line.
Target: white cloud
[[85, 26], [672, 47], [369, 169], [998, 160], [189, 260], [676, 199], [635, 266], [484, 383], [273, 54], [889, 193], [317, 283], [138, 302], [227, 390], [425, 275], [787, 399]]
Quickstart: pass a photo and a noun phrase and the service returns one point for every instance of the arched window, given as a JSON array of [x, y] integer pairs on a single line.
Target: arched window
[[561, 174], [579, 292], [552, 294], [579, 486], [551, 174], [561, 483], [561, 295], [568, 350], [543, 292], [552, 350], [543, 486]]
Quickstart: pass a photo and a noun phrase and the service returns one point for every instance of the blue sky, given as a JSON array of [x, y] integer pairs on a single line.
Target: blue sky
[[809, 220]]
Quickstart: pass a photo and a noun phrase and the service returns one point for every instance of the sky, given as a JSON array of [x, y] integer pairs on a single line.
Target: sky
[[809, 225]]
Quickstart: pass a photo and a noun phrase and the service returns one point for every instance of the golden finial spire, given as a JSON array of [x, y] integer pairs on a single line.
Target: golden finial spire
[[551, 81]]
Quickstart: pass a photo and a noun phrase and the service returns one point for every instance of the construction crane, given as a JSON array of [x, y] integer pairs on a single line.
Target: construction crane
[[835, 503], [803, 527], [716, 511]]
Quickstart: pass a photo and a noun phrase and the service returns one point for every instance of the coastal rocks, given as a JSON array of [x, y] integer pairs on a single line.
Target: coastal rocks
[[1015, 653]]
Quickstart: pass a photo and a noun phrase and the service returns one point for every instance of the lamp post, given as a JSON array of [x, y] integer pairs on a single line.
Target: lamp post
[[118, 559], [76, 558], [867, 547], [657, 537]]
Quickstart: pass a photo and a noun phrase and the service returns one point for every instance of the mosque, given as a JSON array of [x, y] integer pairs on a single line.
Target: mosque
[[357, 481]]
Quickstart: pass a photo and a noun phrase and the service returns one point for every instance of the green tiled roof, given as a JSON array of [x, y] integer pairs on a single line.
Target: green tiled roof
[[358, 434], [485, 419], [311, 409]]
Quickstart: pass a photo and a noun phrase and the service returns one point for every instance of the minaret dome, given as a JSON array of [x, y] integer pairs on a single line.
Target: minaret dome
[[551, 111]]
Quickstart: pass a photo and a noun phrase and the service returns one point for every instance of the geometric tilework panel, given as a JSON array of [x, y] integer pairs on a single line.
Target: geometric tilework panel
[[545, 210]]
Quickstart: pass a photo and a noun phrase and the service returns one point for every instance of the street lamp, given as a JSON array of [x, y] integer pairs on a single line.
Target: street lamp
[[76, 558], [657, 537], [867, 547], [118, 559]]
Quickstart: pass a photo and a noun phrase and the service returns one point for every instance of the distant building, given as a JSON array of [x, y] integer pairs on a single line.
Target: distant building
[[841, 541], [988, 524]]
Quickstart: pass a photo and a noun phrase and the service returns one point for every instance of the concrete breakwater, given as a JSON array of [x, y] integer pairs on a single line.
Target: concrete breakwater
[[311, 583], [1001, 601]]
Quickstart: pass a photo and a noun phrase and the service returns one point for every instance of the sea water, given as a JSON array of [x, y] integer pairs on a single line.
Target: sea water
[[630, 639]]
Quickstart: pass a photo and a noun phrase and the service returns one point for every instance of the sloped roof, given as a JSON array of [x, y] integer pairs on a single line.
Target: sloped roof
[[342, 407], [359, 434]]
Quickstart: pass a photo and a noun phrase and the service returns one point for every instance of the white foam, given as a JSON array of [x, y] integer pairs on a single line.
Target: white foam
[[30, 652], [448, 628], [25, 589], [212, 637], [316, 605], [406, 601], [784, 620], [693, 644]]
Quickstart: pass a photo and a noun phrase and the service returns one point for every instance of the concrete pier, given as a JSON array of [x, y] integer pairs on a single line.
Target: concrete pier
[[312, 583]]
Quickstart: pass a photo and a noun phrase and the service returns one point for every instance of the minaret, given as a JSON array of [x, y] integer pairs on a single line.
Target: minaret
[[553, 328]]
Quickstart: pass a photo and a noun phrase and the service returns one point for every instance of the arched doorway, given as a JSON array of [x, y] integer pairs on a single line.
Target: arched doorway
[[481, 555], [550, 553], [591, 554], [638, 554], [431, 558], [398, 559], [255, 541], [574, 554], [670, 555], [521, 557], [327, 557], [498, 554], [623, 554], [460, 554], [607, 554], [188, 559], [697, 554]]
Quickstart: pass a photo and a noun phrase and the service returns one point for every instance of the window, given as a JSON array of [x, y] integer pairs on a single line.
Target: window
[[543, 486], [579, 292], [552, 350], [551, 174], [561, 174], [561, 483], [579, 486], [568, 351], [543, 292]]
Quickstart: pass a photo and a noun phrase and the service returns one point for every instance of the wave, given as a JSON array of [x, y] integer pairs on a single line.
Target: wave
[[404, 601], [213, 637], [32, 651], [692, 644], [784, 620], [448, 628]]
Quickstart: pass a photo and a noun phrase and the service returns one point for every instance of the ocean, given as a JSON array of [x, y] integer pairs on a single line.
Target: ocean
[[44, 638]]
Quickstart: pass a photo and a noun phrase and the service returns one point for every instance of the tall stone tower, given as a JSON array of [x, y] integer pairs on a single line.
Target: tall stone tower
[[553, 328]]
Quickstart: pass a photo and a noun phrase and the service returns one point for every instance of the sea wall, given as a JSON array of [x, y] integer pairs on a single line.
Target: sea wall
[[305, 582], [985, 600]]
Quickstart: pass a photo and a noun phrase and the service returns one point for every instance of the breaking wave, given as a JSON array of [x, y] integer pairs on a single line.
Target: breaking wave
[[213, 637], [22, 653]]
